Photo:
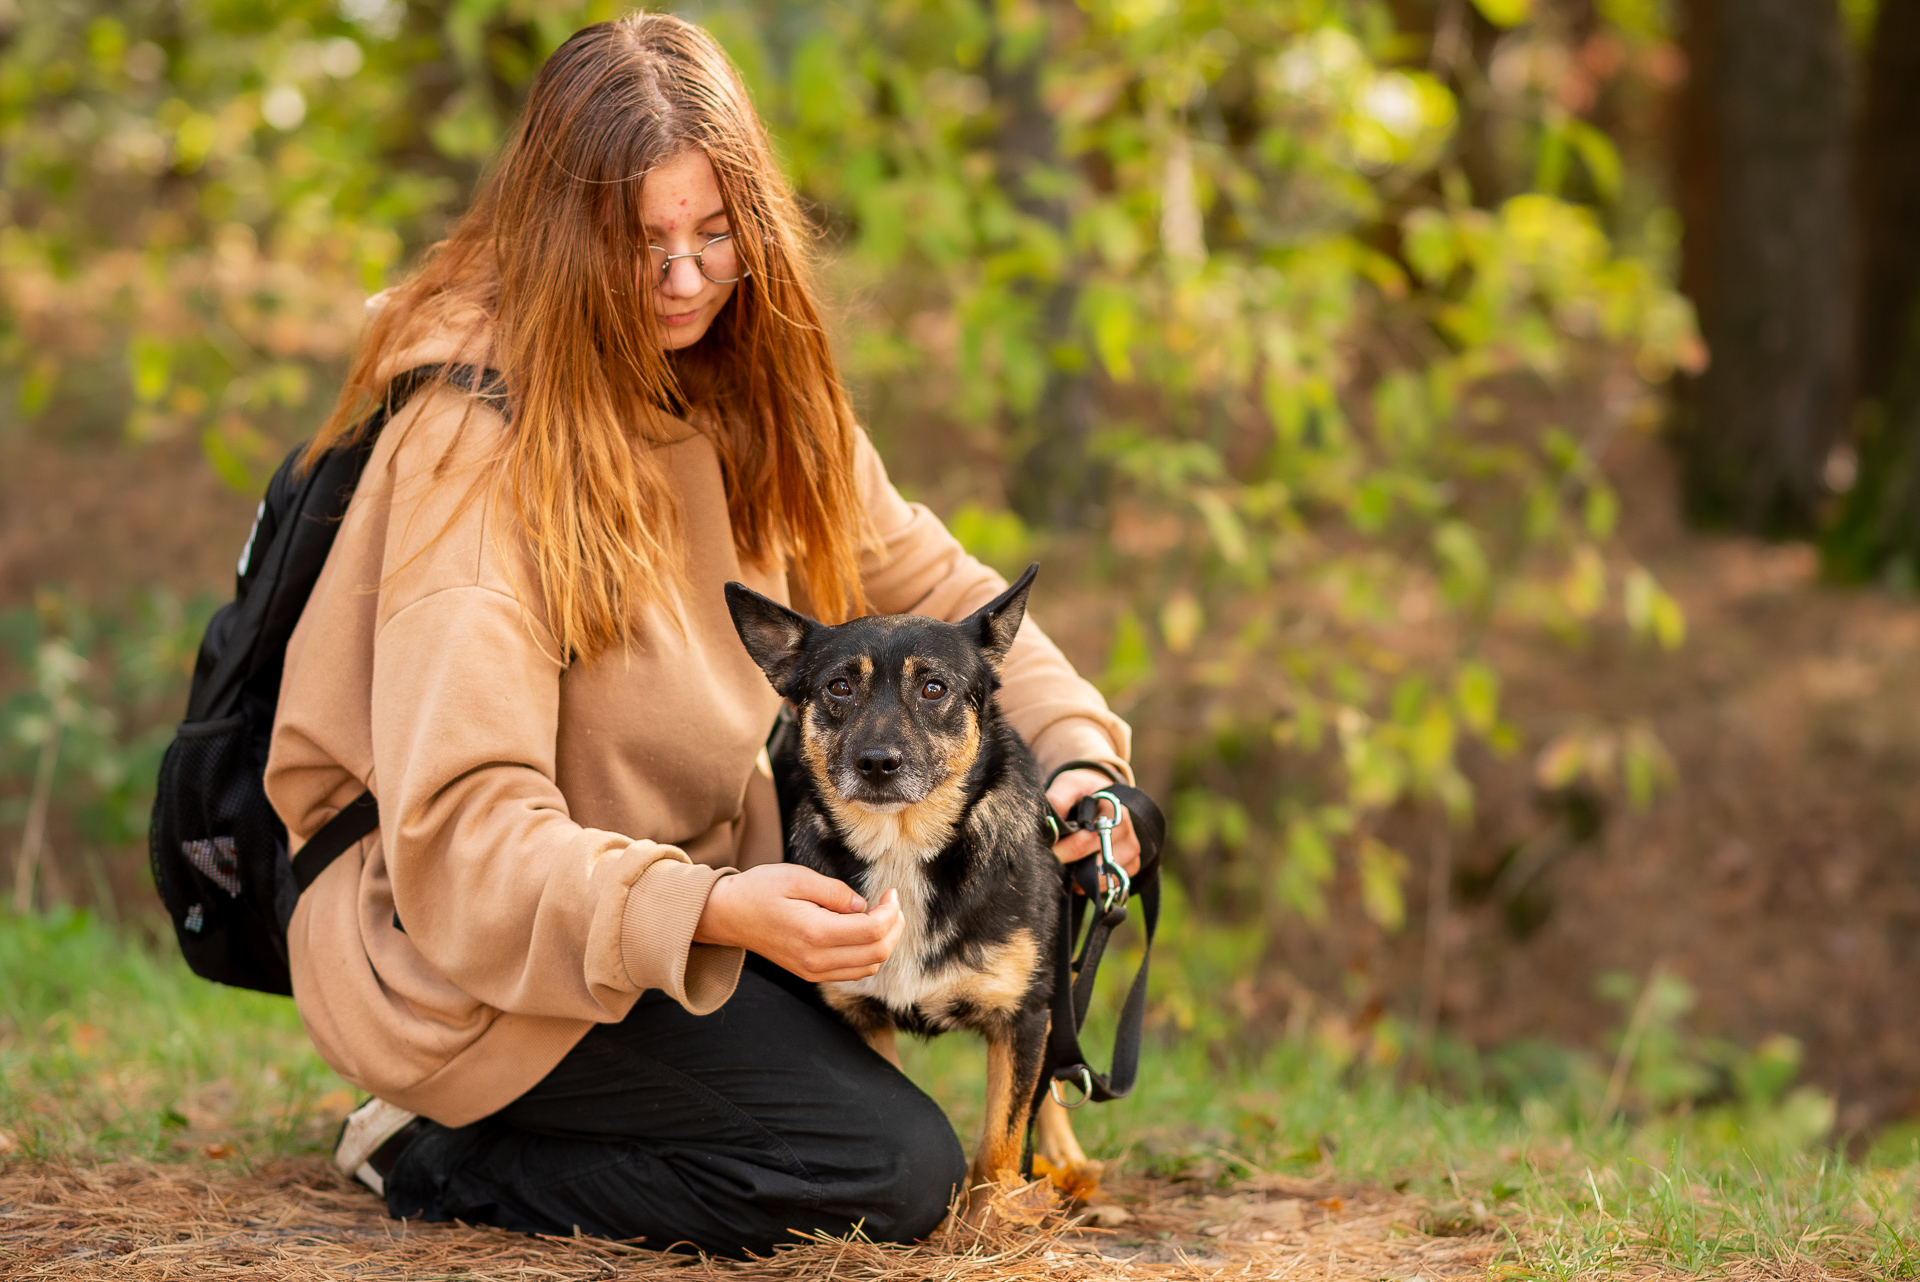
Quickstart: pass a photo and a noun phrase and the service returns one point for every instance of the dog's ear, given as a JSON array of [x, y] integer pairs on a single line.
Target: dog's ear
[[773, 634], [995, 624]]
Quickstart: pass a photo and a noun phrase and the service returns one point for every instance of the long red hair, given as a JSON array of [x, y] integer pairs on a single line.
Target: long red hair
[[549, 252]]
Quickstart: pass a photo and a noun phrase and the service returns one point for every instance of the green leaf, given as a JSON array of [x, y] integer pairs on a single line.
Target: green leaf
[[1129, 662], [1598, 154], [1108, 313], [1382, 868], [1603, 510], [1505, 13], [1180, 621], [150, 363], [1302, 876], [1650, 611], [1000, 538], [1476, 693], [1463, 561], [820, 83], [1223, 523]]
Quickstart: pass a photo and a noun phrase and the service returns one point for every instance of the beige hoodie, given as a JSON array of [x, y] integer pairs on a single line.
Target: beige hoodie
[[548, 833]]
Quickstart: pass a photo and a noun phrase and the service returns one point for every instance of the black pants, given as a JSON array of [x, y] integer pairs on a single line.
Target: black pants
[[723, 1132]]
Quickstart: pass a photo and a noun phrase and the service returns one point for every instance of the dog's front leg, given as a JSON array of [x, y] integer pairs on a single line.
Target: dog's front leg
[[1054, 1138], [1013, 1073], [884, 1045]]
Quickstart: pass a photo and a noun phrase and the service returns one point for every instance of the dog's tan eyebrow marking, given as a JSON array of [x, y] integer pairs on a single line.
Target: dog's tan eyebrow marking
[[866, 666]]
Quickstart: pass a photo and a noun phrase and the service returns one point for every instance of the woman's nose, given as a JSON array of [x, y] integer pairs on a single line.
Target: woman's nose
[[683, 279]]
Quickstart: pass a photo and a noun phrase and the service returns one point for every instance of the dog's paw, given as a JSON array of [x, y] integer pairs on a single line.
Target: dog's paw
[[1077, 1181]]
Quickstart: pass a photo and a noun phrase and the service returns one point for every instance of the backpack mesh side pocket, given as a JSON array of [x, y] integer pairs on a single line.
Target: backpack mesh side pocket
[[219, 856]]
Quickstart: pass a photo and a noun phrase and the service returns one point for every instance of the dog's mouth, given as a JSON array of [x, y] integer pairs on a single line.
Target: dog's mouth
[[882, 796], [877, 807]]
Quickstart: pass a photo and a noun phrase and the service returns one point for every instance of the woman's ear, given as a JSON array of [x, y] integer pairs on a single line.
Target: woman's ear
[[994, 625], [773, 634]]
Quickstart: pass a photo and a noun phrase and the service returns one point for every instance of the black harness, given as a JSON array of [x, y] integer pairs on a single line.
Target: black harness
[[1097, 883]]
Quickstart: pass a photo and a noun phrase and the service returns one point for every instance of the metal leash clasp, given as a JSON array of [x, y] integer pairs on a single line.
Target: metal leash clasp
[[1085, 1084], [1115, 885]]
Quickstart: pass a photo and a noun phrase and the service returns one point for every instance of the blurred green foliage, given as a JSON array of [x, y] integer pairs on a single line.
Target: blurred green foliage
[[88, 717], [1199, 296]]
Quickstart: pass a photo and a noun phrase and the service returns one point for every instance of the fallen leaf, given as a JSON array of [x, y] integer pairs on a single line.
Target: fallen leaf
[[85, 1037], [1455, 1219], [1108, 1215], [217, 1151], [1020, 1203], [339, 1102], [1079, 1181], [7, 1142], [1286, 1212]]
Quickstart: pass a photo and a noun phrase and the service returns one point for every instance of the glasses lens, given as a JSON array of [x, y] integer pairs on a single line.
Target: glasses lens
[[720, 261]]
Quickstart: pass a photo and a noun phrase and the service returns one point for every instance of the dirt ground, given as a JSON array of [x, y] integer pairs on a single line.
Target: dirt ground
[[1779, 875]]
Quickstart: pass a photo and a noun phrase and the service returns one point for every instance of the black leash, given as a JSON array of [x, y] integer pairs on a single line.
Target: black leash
[[1105, 890]]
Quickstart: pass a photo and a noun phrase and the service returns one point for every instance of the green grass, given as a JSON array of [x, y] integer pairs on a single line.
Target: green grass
[[109, 1047]]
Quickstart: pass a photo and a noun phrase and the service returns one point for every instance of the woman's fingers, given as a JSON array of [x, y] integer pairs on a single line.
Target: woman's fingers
[[830, 893], [1065, 792], [1126, 845], [849, 946], [812, 925]]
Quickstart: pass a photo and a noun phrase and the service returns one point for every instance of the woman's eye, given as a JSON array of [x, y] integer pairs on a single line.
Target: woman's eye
[[932, 690], [839, 688]]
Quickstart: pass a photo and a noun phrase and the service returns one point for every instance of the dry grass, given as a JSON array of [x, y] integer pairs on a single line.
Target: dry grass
[[295, 1219]]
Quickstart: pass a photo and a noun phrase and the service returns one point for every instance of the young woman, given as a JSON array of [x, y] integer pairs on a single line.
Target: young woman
[[520, 644]]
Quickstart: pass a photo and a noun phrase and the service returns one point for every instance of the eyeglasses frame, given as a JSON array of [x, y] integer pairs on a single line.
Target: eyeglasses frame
[[699, 264]]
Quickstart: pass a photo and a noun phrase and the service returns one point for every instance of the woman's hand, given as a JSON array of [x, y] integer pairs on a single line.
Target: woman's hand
[[814, 926], [1064, 794]]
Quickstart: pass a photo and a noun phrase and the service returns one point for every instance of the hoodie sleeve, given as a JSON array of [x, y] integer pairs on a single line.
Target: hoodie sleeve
[[493, 883]]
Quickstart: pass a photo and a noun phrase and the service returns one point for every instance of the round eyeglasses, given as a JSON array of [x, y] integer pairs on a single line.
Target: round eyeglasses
[[717, 260]]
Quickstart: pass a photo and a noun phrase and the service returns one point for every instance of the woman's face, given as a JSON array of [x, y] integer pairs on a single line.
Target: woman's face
[[680, 203]]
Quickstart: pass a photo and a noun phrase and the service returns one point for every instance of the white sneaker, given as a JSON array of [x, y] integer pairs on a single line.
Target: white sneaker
[[367, 1131]]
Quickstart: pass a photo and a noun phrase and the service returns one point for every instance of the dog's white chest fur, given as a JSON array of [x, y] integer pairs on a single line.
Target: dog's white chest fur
[[886, 843]]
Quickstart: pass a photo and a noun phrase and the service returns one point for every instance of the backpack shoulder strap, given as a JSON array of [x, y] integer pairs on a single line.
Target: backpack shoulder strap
[[303, 510], [336, 836], [362, 815]]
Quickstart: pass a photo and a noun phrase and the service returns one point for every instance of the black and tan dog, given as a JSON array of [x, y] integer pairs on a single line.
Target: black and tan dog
[[909, 779]]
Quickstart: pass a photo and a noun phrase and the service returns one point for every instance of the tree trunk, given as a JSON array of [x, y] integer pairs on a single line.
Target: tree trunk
[[1051, 483], [1763, 187], [1879, 529], [1888, 169]]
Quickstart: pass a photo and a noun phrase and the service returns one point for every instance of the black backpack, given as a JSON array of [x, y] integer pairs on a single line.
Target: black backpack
[[219, 851]]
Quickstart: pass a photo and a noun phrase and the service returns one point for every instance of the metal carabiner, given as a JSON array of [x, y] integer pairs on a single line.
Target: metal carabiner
[[1115, 885], [1085, 1084]]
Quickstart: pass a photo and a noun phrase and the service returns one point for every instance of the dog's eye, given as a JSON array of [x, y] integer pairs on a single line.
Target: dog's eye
[[933, 690], [839, 688]]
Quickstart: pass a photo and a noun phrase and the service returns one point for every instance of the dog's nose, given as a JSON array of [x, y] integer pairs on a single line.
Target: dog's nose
[[879, 760]]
